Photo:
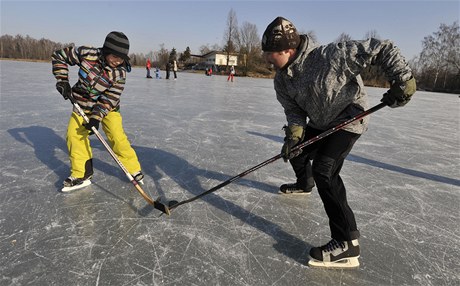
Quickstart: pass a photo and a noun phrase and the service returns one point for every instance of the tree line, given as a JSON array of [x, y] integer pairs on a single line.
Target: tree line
[[436, 68], [27, 48]]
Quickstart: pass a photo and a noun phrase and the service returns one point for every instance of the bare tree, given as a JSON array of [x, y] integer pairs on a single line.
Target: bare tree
[[162, 56], [433, 55], [372, 34], [204, 49], [216, 47], [343, 38], [450, 40], [249, 44], [440, 54], [231, 35], [311, 34]]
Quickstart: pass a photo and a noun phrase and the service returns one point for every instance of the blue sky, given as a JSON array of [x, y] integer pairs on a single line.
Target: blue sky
[[178, 24]]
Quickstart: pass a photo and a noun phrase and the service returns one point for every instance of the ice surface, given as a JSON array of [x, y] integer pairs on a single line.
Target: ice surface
[[192, 134]]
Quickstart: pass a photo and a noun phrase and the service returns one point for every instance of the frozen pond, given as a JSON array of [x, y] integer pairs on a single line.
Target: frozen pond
[[192, 134]]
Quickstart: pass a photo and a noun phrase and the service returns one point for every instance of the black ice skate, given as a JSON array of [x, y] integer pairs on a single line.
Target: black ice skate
[[292, 189], [335, 254], [72, 184]]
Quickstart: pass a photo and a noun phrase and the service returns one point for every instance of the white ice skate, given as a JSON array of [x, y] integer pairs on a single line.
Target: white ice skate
[[335, 255], [73, 184]]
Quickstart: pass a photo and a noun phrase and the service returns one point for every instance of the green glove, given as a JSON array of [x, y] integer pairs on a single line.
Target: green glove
[[294, 134], [399, 93]]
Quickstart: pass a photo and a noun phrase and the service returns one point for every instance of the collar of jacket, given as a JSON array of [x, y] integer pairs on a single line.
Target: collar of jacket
[[305, 47]]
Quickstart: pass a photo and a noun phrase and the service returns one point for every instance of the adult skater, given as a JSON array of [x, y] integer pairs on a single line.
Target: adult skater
[[101, 81], [168, 69], [175, 69], [323, 84], [148, 66]]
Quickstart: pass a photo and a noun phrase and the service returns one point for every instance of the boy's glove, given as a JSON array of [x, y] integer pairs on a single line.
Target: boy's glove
[[92, 123], [64, 88], [399, 93], [294, 134]]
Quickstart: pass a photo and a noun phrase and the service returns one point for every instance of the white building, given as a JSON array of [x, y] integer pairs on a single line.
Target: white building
[[216, 60], [220, 59]]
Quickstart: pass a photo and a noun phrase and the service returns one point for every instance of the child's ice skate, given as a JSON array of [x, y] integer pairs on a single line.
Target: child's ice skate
[[72, 184], [335, 254]]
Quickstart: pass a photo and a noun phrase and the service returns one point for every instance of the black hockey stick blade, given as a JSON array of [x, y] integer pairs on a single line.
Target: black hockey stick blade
[[161, 207]]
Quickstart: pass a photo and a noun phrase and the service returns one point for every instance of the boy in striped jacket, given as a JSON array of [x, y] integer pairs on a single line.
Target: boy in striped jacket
[[101, 80]]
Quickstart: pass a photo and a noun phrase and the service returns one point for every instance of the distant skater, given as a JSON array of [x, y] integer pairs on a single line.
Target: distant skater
[[232, 73], [168, 70], [175, 69], [323, 84], [157, 73], [208, 71], [148, 66]]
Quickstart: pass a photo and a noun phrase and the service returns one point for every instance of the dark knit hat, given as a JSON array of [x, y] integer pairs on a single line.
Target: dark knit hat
[[118, 44], [280, 35]]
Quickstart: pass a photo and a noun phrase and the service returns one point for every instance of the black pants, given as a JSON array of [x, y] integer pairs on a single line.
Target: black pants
[[327, 156]]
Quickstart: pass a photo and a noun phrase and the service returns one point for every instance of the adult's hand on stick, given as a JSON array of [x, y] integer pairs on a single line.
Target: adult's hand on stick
[[399, 94], [294, 134]]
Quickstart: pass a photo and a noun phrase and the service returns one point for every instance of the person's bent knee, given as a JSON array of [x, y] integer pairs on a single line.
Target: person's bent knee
[[323, 168]]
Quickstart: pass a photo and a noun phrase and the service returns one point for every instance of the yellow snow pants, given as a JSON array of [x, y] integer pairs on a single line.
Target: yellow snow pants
[[80, 153]]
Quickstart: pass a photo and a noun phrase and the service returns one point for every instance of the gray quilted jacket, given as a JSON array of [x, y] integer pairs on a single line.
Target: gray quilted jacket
[[323, 83]]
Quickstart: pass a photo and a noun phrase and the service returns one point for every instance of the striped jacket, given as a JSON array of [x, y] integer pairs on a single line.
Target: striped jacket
[[99, 86], [323, 83]]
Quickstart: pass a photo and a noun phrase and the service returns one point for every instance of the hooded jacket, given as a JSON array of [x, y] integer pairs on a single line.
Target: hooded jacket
[[323, 83], [99, 86]]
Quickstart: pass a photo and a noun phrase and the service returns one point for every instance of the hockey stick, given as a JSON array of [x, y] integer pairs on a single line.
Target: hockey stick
[[175, 204], [156, 204]]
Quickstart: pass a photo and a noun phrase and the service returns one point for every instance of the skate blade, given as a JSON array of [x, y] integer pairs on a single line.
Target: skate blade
[[347, 263], [295, 194], [77, 187]]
